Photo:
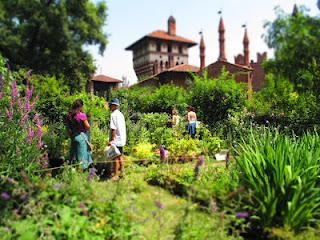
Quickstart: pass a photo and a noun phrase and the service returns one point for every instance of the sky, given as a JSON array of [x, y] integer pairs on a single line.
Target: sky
[[129, 20]]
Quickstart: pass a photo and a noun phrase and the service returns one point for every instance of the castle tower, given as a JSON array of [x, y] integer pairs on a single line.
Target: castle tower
[[295, 11], [172, 26], [202, 53], [246, 52], [222, 55]]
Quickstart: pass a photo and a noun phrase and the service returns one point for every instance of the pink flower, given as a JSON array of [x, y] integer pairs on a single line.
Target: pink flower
[[14, 93], [29, 92], [30, 134], [27, 107], [9, 114]]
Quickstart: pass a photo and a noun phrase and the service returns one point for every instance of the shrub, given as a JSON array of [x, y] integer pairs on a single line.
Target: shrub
[[153, 100], [66, 208], [143, 151], [282, 173], [280, 104], [216, 98]]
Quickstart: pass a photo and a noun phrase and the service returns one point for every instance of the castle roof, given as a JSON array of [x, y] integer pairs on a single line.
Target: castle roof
[[183, 68], [106, 79], [163, 35]]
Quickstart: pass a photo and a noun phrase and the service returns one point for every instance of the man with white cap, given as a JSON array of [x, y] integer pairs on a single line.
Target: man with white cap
[[117, 135]]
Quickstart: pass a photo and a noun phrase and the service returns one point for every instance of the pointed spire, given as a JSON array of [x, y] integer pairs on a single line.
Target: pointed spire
[[202, 52], [246, 51], [222, 55], [295, 11]]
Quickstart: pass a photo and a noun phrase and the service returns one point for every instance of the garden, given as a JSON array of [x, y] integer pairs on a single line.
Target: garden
[[174, 187]]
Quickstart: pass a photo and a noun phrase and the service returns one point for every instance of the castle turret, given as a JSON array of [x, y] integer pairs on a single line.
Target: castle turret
[[222, 55], [202, 53], [246, 52]]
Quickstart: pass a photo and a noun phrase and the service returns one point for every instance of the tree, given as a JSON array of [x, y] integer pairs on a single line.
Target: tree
[[295, 39], [48, 36]]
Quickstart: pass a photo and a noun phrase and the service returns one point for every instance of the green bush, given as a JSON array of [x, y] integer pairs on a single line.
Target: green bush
[[282, 175], [215, 99], [280, 104], [153, 100], [66, 208]]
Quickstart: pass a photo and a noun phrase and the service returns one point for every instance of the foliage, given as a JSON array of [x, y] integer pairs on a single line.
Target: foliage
[[280, 103], [143, 151], [67, 208], [211, 187], [154, 100], [21, 130], [282, 173], [184, 149], [48, 36], [223, 95], [295, 41]]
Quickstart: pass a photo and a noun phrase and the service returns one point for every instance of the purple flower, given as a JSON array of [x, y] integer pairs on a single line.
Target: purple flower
[[30, 135], [92, 174], [163, 153], [29, 92], [27, 107], [159, 205], [24, 197], [5, 196], [14, 93], [9, 114], [45, 160], [242, 215], [82, 205], [198, 166], [58, 186], [11, 180]]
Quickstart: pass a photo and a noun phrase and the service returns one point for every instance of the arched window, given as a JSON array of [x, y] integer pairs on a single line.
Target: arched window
[[167, 65], [161, 66], [177, 64]]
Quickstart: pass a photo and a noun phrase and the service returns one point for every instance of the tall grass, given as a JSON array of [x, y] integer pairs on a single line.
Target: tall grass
[[282, 173]]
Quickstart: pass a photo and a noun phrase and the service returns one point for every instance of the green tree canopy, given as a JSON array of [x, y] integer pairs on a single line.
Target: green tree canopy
[[48, 36], [295, 39]]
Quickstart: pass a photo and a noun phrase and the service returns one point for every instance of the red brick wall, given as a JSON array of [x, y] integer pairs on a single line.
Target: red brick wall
[[181, 79], [214, 71]]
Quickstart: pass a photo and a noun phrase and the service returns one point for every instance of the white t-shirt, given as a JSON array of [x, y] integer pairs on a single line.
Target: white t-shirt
[[118, 123]]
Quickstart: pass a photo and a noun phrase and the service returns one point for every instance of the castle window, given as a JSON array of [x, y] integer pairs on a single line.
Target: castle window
[[180, 50], [169, 48], [158, 47]]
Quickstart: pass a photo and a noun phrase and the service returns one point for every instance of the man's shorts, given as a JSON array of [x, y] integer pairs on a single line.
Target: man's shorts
[[120, 150]]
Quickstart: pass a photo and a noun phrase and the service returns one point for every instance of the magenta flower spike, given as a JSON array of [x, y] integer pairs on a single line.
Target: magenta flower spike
[[9, 114], [14, 93], [5, 196], [30, 135]]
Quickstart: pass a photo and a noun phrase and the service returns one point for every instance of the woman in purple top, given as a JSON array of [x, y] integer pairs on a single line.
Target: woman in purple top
[[78, 125]]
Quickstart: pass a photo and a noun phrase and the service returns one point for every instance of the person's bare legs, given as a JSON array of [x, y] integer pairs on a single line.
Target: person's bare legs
[[122, 165], [116, 169]]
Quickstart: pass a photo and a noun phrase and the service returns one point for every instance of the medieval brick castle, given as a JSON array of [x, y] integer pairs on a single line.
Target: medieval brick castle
[[162, 57]]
